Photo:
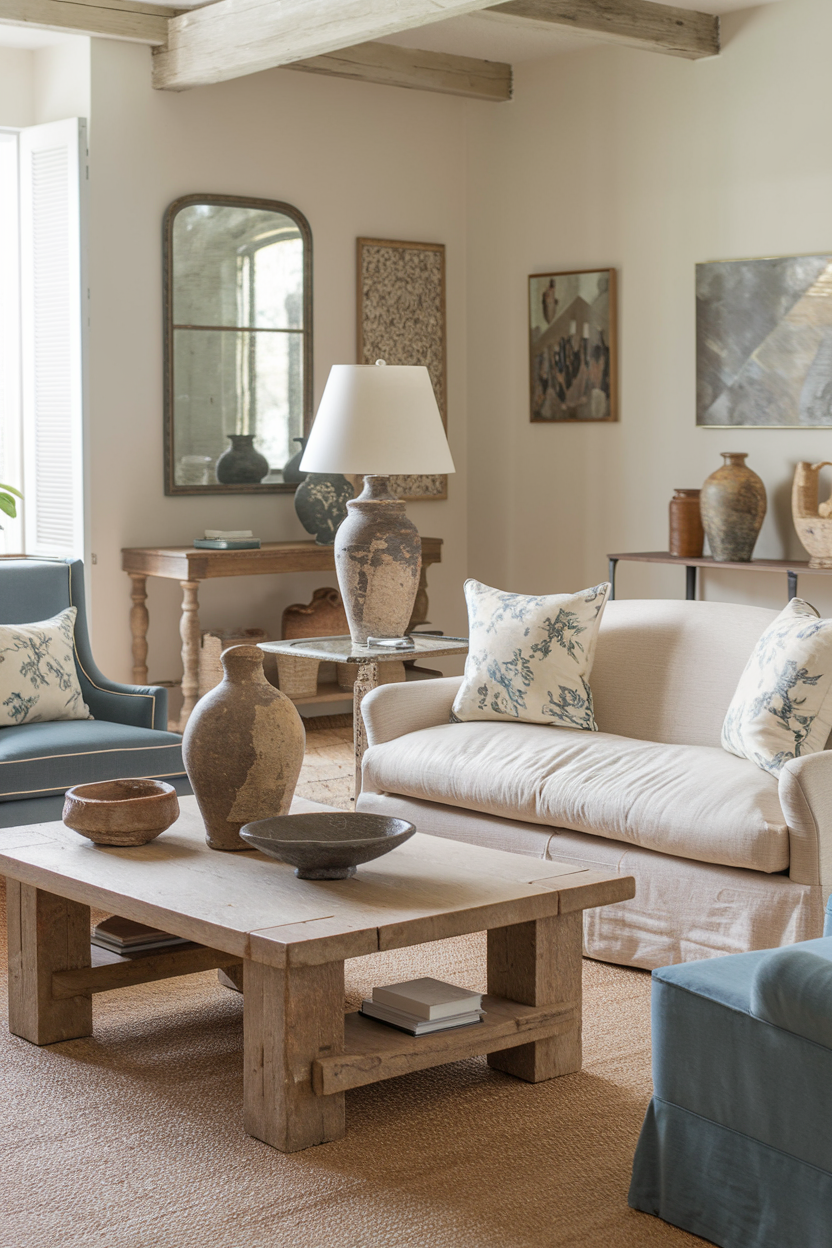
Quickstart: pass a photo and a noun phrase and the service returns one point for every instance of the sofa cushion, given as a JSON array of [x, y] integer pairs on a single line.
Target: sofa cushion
[[37, 760], [782, 708], [38, 679], [530, 656], [688, 801]]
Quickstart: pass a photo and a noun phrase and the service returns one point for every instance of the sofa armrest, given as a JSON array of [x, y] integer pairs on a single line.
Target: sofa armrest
[[140, 706], [806, 799], [394, 710]]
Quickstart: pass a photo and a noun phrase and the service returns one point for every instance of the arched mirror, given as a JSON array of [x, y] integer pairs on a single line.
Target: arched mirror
[[238, 343]]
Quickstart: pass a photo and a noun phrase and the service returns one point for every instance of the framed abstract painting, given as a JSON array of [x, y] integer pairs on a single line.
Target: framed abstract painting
[[764, 343], [573, 346]]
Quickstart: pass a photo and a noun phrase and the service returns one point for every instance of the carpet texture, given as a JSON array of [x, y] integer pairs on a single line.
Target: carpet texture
[[134, 1138]]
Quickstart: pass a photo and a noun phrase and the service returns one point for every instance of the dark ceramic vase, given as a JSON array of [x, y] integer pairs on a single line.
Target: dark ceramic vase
[[241, 464], [321, 503], [291, 473], [733, 506]]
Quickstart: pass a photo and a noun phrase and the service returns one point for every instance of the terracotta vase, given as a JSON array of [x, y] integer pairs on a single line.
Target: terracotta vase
[[733, 506], [687, 536], [243, 749]]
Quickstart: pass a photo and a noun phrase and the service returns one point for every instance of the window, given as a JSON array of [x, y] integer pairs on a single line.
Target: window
[[43, 322]]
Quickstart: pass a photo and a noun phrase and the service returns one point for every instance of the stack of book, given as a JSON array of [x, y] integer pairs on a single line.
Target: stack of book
[[421, 1006], [126, 937]]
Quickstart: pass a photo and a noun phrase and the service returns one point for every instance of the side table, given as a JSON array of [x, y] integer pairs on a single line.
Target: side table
[[189, 566], [791, 567], [368, 658]]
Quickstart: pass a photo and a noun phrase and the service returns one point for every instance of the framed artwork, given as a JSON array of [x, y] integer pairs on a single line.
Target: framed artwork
[[401, 319], [573, 346], [764, 343]]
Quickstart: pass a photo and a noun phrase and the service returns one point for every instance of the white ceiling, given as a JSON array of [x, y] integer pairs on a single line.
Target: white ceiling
[[498, 37], [490, 36]]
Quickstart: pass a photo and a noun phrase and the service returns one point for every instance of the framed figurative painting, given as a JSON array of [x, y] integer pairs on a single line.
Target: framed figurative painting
[[401, 319], [764, 343], [572, 346]]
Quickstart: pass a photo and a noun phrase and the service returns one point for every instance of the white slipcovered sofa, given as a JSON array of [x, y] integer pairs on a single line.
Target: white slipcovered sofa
[[725, 857]]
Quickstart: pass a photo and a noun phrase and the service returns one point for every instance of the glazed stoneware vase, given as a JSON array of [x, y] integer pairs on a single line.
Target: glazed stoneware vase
[[243, 749], [241, 464], [733, 506], [291, 470], [687, 537], [321, 504]]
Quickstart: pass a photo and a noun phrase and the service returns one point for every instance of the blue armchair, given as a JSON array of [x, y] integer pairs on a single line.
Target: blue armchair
[[126, 737], [736, 1145]]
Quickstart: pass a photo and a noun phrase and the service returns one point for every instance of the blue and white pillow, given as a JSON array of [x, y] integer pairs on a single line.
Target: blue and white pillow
[[38, 679], [530, 657], [782, 707]]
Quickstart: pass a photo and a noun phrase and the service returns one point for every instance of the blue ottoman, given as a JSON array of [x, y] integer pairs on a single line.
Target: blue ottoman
[[737, 1144]]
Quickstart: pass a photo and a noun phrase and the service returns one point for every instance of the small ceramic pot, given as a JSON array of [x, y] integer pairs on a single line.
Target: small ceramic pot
[[291, 472], [121, 812], [733, 507], [241, 464], [687, 537]]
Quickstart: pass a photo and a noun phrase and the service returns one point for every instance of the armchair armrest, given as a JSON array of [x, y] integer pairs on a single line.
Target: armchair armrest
[[141, 706], [805, 792], [394, 710]]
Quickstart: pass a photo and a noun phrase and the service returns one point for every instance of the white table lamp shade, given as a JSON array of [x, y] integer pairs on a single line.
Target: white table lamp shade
[[378, 420]]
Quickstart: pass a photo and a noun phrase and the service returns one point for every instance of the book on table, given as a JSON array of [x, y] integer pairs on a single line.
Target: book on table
[[422, 1006], [125, 936]]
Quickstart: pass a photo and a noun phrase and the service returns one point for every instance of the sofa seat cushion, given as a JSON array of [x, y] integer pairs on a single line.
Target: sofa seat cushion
[[37, 760], [690, 801]]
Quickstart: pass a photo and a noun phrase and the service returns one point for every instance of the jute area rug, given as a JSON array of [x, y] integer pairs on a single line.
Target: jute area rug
[[134, 1138]]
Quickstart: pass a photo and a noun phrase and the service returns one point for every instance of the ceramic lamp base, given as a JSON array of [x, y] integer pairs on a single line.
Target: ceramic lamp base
[[378, 557]]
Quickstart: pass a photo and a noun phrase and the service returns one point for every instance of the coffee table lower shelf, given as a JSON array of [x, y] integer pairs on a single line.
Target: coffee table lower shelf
[[374, 1052]]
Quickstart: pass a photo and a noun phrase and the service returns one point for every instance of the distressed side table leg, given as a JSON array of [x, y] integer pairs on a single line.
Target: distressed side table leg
[[189, 632], [291, 1017], [139, 621], [366, 680], [46, 934], [539, 963]]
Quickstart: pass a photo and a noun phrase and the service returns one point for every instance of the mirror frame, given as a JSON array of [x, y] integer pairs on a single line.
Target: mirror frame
[[230, 201]]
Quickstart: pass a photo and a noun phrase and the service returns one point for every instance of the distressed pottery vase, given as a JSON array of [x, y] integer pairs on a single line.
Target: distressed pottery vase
[[291, 472], [812, 518], [321, 504], [733, 506], [687, 536], [241, 464], [378, 557], [243, 748]]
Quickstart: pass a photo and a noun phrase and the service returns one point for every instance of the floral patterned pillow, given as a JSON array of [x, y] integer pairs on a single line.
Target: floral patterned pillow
[[530, 657], [782, 708], [38, 680]]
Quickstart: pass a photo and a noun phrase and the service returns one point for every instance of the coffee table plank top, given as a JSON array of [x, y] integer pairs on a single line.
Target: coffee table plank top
[[254, 907]]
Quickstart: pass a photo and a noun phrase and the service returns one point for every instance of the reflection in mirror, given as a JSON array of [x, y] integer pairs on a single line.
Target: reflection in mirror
[[238, 343]]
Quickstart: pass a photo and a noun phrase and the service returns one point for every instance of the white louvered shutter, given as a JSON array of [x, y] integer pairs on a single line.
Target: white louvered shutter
[[53, 185]]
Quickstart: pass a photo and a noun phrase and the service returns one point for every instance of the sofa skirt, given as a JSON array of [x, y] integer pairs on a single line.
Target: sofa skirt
[[725, 1186], [682, 911]]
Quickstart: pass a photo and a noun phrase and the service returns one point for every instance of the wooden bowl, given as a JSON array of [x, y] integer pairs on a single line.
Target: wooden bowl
[[121, 812]]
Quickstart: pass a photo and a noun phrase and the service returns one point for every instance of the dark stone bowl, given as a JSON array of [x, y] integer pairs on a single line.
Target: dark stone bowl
[[327, 845]]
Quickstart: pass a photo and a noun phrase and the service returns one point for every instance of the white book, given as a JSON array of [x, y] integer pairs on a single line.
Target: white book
[[427, 998], [414, 1026]]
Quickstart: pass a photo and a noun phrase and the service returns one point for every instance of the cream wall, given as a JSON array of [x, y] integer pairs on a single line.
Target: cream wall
[[17, 106], [357, 160], [614, 157]]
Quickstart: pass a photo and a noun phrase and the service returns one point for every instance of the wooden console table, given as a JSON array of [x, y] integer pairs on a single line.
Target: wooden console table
[[189, 566], [792, 567]]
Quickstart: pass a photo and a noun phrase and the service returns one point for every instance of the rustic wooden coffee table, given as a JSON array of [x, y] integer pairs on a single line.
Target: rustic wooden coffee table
[[291, 938]]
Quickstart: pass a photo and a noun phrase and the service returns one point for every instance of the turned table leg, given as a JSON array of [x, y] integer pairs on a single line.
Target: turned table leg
[[539, 963], [46, 934], [366, 680], [139, 621], [291, 1016], [189, 632]]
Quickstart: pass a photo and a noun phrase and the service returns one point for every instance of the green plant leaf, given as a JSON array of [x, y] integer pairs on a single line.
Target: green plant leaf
[[8, 505], [10, 489]]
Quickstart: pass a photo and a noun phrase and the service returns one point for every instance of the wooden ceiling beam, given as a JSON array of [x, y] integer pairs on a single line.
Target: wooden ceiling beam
[[636, 23], [392, 66], [113, 19], [236, 37]]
